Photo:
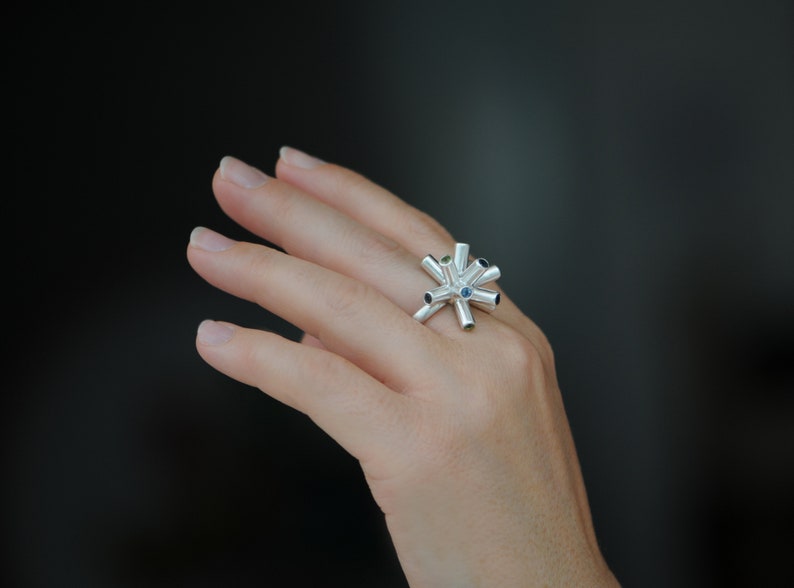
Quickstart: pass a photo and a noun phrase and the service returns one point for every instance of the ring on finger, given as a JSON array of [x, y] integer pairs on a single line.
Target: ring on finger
[[459, 285]]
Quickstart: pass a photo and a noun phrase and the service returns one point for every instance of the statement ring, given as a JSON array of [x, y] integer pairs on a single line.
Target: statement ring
[[460, 283]]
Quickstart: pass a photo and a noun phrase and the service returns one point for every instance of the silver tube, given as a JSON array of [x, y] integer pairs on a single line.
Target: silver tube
[[447, 268], [431, 266], [464, 314], [428, 310], [461, 256], [474, 271], [440, 294], [484, 298], [489, 275]]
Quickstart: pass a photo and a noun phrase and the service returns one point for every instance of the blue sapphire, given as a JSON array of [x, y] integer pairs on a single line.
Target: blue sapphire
[[465, 292]]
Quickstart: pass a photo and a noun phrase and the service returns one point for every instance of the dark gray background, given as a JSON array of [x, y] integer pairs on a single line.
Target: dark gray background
[[628, 165]]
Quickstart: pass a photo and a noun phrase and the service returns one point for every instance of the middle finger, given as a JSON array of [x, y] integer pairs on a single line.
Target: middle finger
[[349, 317]]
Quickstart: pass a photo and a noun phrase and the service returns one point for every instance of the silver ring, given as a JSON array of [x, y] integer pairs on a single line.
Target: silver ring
[[459, 285]]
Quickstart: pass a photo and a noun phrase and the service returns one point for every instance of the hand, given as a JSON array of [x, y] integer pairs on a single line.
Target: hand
[[462, 435]]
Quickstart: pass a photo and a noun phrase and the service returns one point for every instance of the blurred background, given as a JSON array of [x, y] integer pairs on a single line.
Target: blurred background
[[629, 166]]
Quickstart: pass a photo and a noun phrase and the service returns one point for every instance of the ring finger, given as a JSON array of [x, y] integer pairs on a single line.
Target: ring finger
[[314, 231]]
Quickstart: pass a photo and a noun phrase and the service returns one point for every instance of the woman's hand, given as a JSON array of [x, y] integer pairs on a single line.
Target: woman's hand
[[462, 435]]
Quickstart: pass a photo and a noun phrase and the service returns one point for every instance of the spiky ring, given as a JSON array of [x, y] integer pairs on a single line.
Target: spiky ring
[[460, 283]]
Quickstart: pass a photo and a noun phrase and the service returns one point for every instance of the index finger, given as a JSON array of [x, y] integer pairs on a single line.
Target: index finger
[[366, 202]]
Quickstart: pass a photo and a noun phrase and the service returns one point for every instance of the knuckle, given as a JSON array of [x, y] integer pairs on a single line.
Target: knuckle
[[331, 368], [522, 355], [541, 342], [545, 349], [515, 374], [252, 361], [347, 182], [281, 206], [257, 260], [423, 226], [344, 299], [526, 346], [378, 250]]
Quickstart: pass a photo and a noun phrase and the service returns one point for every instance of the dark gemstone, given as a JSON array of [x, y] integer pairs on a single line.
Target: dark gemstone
[[446, 259], [428, 298], [498, 299], [465, 292]]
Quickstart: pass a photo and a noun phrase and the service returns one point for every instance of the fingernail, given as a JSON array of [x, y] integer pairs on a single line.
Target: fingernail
[[299, 158], [209, 240], [238, 172], [213, 333]]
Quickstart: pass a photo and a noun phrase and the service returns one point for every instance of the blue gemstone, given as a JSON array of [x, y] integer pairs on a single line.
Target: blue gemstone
[[465, 292]]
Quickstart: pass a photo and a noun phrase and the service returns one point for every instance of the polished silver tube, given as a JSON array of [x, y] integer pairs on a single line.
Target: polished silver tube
[[431, 266], [489, 275], [428, 310], [464, 314], [485, 299], [474, 271], [448, 269], [440, 294], [461, 256]]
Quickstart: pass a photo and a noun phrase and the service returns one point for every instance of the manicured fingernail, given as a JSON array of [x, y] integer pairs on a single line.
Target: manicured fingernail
[[212, 333], [209, 240], [299, 158], [238, 172]]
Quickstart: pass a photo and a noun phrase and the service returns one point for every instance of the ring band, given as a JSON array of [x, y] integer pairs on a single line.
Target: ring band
[[459, 285]]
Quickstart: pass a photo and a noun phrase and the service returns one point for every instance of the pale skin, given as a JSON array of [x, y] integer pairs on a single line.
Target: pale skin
[[462, 435]]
